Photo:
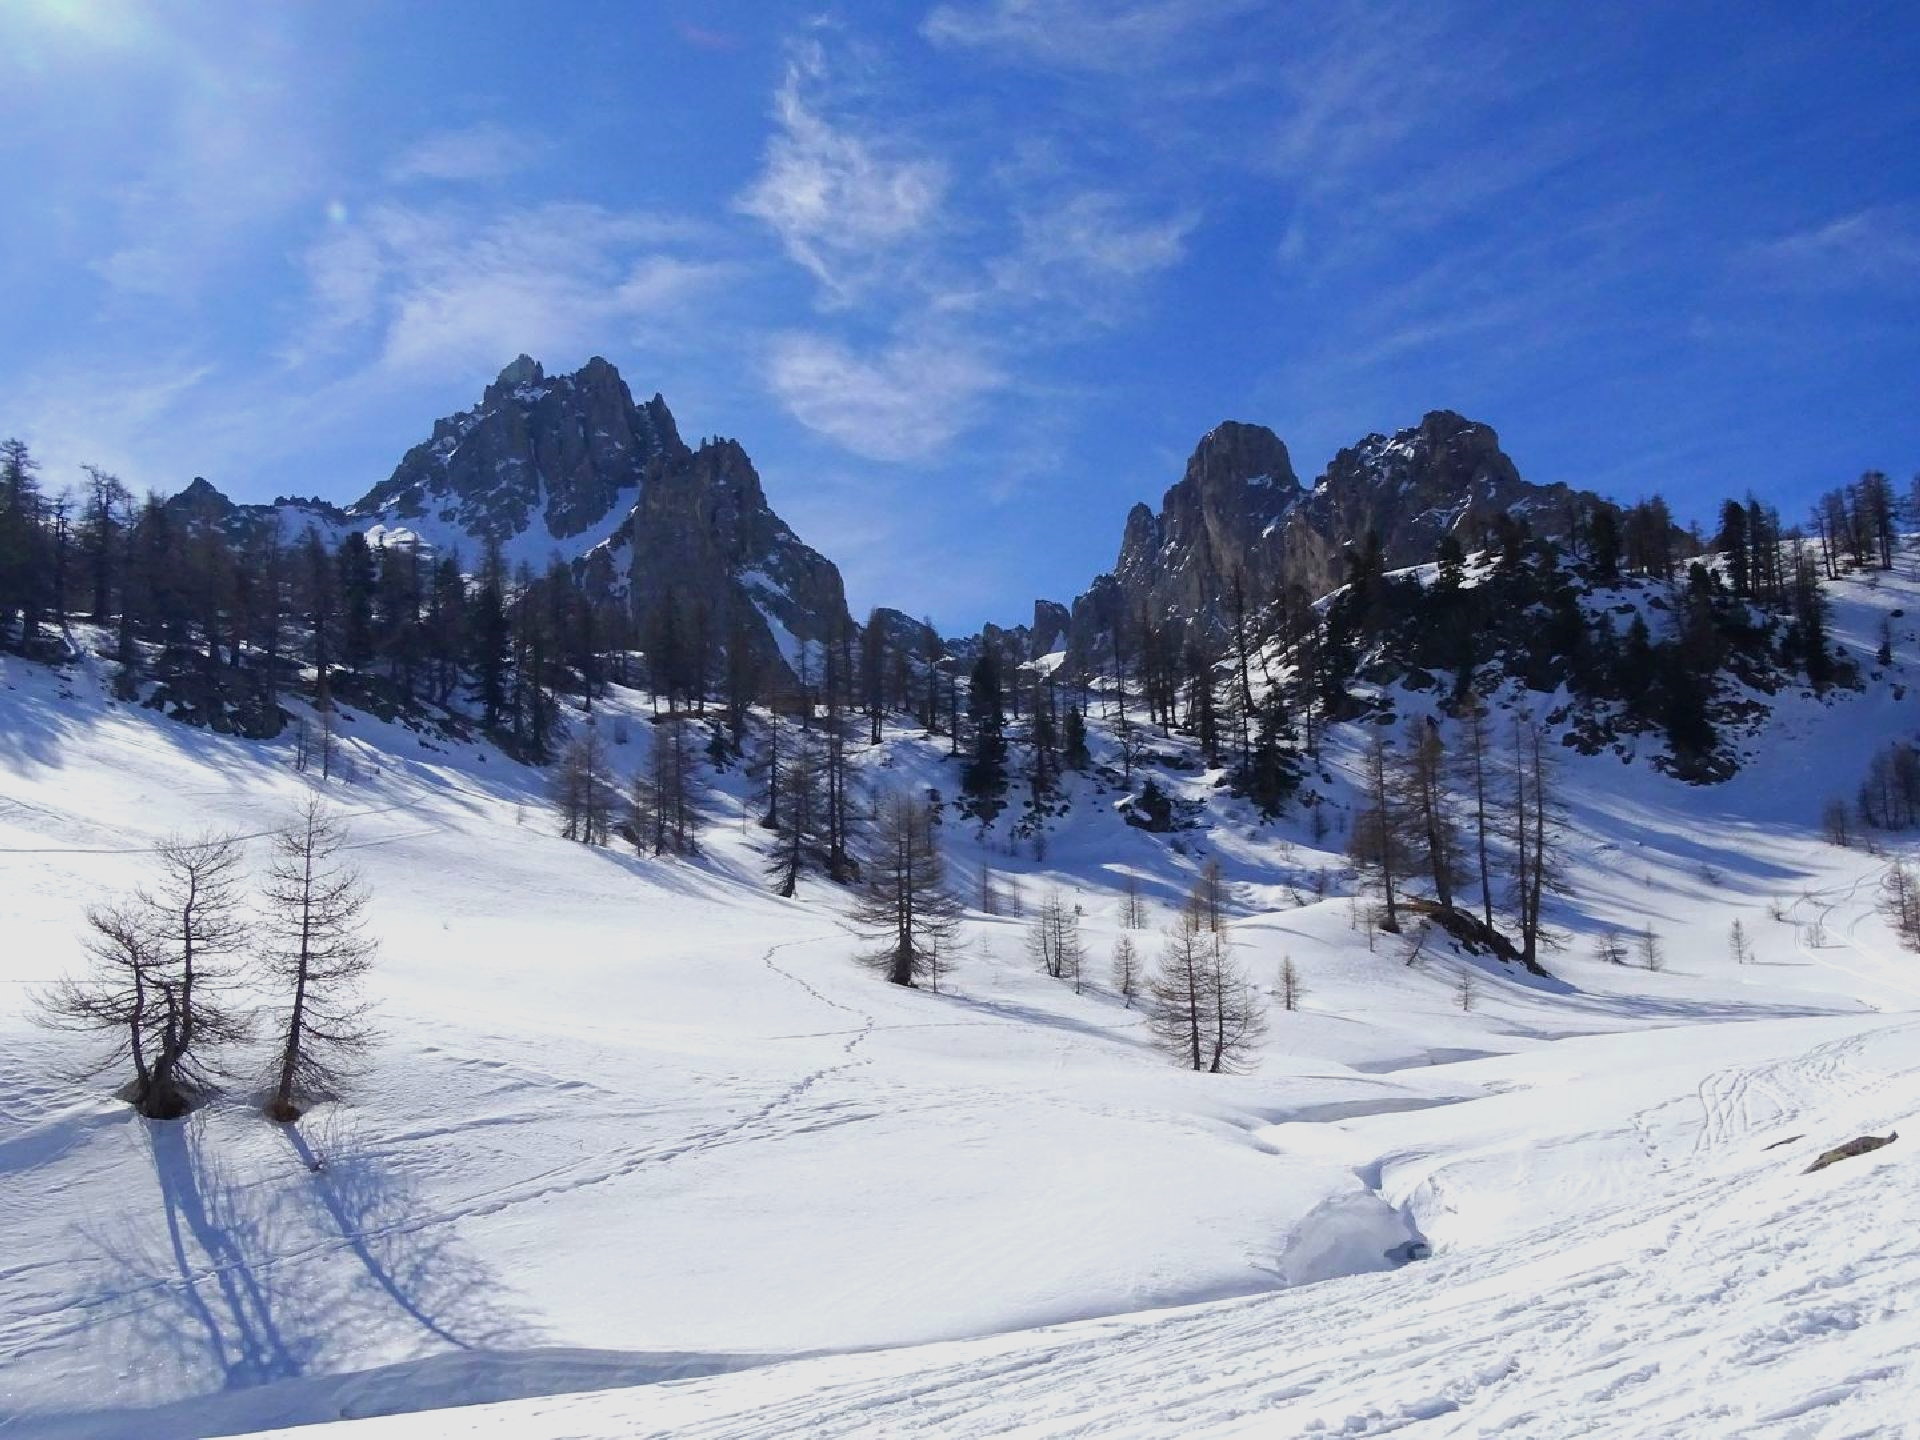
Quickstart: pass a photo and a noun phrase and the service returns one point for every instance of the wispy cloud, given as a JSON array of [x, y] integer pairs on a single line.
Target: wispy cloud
[[841, 198], [1117, 36], [1877, 248], [906, 401], [454, 289], [486, 151], [230, 156], [996, 258], [1090, 248]]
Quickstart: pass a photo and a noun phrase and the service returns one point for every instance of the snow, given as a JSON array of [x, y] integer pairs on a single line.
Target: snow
[[643, 1151]]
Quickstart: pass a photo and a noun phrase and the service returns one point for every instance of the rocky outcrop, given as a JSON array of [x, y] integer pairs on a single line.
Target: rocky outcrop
[[703, 539], [901, 634], [1445, 476], [1240, 511], [1049, 633], [542, 466]]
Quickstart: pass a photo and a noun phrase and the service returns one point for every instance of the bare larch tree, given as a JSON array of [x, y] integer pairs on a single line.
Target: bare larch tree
[[584, 789], [1053, 939], [904, 905], [162, 967], [314, 954]]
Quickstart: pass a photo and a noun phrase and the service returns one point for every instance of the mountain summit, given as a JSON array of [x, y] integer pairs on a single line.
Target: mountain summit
[[541, 466]]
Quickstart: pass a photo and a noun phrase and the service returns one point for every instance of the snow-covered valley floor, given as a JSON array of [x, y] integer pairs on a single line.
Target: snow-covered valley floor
[[643, 1151]]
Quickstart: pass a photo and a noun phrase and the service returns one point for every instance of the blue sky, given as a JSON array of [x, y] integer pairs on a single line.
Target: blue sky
[[969, 277]]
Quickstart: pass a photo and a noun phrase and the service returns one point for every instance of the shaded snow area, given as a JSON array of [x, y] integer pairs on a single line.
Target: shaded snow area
[[644, 1151]]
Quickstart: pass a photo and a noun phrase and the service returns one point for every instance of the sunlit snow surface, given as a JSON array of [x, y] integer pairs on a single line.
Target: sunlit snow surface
[[639, 1134]]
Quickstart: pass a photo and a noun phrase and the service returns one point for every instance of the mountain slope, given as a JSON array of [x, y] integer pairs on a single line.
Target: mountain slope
[[633, 1120]]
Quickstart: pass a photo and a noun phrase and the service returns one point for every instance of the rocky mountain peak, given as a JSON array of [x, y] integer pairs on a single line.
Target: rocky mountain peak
[[523, 369], [543, 465], [1234, 455]]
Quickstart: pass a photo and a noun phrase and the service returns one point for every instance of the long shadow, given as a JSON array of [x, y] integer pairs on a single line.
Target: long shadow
[[239, 1322], [407, 1256], [1033, 1015], [292, 1274]]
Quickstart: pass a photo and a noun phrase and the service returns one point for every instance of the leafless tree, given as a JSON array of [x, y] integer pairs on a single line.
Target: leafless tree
[[1133, 905], [1378, 842], [1653, 952], [1420, 781], [1900, 903], [584, 789], [1206, 1015], [1209, 897], [1290, 988], [797, 811], [1466, 989], [1053, 939], [1539, 829], [314, 954], [1738, 944], [665, 806], [1610, 948], [989, 892], [162, 967], [904, 906], [120, 996], [1238, 1017], [1475, 768], [1836, 823], [1126, 969], [200, 929], [1178, 992]]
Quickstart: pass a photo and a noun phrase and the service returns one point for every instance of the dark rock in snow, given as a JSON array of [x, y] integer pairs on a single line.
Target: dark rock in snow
[[1860, 1145]]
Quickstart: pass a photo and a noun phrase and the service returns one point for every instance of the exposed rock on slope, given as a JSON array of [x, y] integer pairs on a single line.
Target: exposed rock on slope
[[703, 537], [1240, 509]]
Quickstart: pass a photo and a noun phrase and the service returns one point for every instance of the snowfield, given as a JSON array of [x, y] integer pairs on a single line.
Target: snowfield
[[644, 1151]]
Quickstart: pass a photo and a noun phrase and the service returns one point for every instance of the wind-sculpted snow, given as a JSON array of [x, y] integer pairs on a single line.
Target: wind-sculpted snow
[[645, 1151]]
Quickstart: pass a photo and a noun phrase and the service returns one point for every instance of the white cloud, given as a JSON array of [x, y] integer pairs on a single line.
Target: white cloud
[[1869, 249], [1119, 35], [839, 199], [486, 151], [906, 402], [1089, 246], [456, 290]]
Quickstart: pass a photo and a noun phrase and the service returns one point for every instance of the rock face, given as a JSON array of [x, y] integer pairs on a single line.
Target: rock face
[[1446, 475], [542, 466], [703, 539], [1239, 509], [1225, 515], [570, 466], [1050, 622]]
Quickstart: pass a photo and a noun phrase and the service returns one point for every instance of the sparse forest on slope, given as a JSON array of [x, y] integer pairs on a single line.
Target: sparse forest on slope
[[1270, 899]]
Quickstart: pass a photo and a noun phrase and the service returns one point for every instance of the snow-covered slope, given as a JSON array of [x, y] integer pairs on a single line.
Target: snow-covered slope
[[640, 1138]]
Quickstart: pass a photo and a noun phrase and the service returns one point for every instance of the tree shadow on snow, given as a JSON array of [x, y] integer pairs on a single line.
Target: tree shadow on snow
[[230, 1284]]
